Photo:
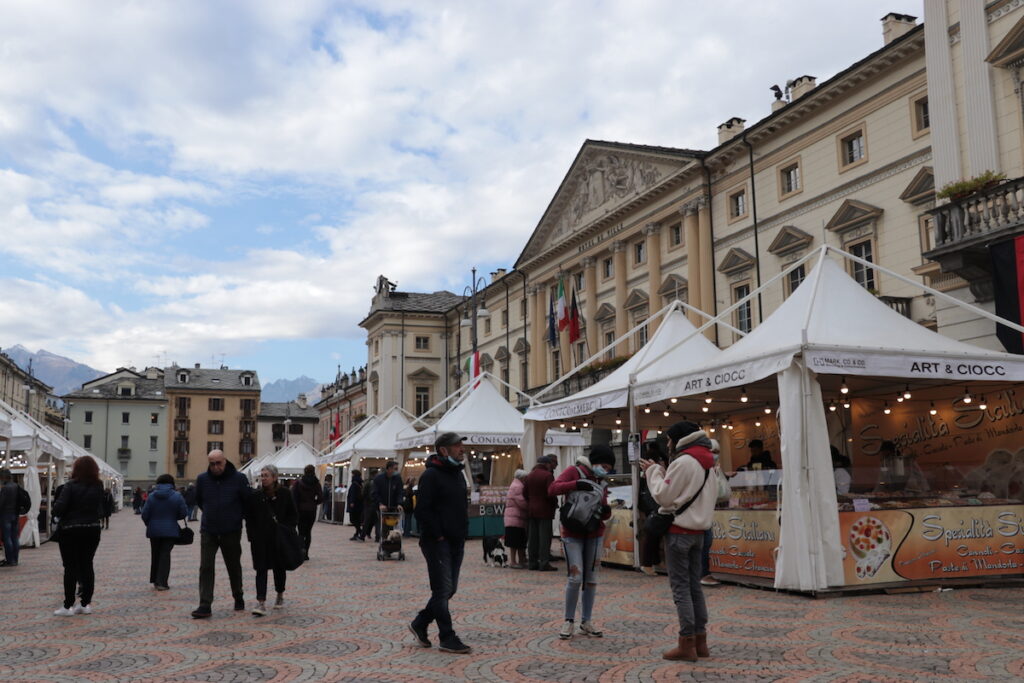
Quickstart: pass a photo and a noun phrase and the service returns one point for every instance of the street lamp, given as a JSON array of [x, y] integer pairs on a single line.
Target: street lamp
[[287, 427], [474, 310]]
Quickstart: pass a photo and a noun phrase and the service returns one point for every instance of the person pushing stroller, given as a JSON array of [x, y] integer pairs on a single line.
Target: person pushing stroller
[[387, 493]]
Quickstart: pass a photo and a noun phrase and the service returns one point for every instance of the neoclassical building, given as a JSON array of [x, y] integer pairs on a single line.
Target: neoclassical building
[[852, 162]]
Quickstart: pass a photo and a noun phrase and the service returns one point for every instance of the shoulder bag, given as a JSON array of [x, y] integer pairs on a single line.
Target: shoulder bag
[[287, 544], [185, 535]]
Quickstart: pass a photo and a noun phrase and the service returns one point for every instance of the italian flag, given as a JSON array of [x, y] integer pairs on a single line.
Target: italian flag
[[473, 365], [562, 306]]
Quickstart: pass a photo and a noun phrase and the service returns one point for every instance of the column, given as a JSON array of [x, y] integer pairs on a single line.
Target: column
[[590, 307], [652, 231], [980, 112], [707, 263], [945, 131], [538, 328], [693, 275], [621, 318]]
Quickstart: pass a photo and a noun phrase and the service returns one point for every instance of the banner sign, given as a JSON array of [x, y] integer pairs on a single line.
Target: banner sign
[[617, 545], [884, 546], [745, 542], [963, 369], [712, 379], [578, 408]]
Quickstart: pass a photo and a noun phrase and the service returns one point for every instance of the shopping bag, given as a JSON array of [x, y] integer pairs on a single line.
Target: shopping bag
[[289, 547]]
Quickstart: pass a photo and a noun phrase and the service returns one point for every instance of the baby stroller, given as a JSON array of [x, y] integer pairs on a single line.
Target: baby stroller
[[390, 535]]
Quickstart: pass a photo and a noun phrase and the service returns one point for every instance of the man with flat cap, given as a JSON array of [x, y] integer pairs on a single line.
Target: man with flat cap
[[442, 514]]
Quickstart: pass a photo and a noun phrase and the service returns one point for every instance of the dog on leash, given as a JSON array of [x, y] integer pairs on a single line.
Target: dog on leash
[[494, 552]]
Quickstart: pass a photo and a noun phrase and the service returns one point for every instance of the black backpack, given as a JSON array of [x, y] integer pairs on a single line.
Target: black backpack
[[24, 501], [581, 511]]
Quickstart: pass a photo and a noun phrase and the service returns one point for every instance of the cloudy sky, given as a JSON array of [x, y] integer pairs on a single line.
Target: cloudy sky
[[216, 181]]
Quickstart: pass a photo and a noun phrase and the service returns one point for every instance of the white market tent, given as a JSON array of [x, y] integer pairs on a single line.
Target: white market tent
[[829, 325], [481, 414], [5, 426], [290, 460], [375, 440]]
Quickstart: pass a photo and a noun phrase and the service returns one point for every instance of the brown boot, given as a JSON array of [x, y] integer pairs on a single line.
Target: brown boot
[[683, 652], [701, 643]]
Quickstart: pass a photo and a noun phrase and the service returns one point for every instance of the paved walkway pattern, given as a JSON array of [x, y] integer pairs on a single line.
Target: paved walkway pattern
[[346, 615]]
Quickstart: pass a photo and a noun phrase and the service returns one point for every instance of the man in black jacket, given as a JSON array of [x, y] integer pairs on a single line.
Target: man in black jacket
[[222, 493], [387, 491], [442, 514]]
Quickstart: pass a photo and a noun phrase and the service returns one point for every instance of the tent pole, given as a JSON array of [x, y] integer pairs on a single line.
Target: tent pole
[[634, 466]]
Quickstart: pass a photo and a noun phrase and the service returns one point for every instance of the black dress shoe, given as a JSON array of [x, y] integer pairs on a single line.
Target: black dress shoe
[[239, 605], [201, 612]]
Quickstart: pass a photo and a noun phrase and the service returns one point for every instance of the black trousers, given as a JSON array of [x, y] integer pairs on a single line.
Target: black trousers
[[370, 521], [355, 517], [77, 550], [230, 546], [280, 580], [160, 560], [538, 544], [306, 522]]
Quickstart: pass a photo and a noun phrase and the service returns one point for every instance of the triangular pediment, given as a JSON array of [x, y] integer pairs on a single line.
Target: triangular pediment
[[605, 312], [486, 361], [852, 214], [636, 298], [922, 188], [605, 179], [1010, 50], [522, 346], [423, 374], [501, 355], [789, 239], [674, 287], [736, 260]]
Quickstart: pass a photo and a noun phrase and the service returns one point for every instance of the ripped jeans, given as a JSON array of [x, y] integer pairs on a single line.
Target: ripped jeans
[[582, 565]]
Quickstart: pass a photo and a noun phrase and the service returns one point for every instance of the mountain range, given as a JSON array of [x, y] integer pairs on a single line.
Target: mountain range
[[282, 390], [61, 373]]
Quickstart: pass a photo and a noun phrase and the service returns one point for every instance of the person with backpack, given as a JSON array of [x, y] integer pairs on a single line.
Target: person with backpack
[[14, 502], [582, 520], [308, 497], [686, 492]]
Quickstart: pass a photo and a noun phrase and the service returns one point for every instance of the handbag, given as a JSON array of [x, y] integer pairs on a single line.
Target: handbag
[[287, 545], [658, 524], [185, 535]]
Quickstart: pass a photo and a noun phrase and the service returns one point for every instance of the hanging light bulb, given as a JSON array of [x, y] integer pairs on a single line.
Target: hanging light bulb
[[707, 397], [932, 410], [618, 420], [899, 398], [673, 400], [561, 425], [666, 413], [767, 410], [981, 403], [757, 423], [585, 424], [831, 407], [712, 428], [843, 389], [886, 409], [846, 403], [647, 409], [967, 396], [743, 396], [906, 392], [704, 409]]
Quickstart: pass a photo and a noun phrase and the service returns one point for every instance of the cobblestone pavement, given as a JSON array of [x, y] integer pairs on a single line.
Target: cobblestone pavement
[[346, 613]]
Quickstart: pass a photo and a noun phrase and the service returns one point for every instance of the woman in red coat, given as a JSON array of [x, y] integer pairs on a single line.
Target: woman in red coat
[[582, 551]]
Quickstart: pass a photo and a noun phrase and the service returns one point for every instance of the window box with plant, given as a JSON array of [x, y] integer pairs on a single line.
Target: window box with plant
[[962, 189]]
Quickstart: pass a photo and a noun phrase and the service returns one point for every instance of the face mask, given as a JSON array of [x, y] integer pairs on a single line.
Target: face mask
[[600, 471], [452, 461]]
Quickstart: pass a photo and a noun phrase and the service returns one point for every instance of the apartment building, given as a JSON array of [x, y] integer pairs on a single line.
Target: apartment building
[[341, 407], [20, 390], [280, 424], [211, 408], [121, 418]]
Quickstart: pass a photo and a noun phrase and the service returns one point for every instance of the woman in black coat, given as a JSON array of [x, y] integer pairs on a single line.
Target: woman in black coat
[[80, 509], [272, 504], [354, 503]]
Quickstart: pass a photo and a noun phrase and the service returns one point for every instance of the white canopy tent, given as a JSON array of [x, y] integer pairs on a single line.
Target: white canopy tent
[[5, 426], [290, 460], [481, 414], [376, 440], [829, 325]]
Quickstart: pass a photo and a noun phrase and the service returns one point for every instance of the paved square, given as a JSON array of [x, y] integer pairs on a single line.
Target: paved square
[[346, 615]]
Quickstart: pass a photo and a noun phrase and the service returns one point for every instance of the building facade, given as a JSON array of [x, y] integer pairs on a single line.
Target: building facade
[[210, 409], [341, 407], [280, 424], [20, 390], [121, 418]]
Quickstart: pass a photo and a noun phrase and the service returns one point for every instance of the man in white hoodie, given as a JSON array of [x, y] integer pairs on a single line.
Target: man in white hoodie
[[687, 490]]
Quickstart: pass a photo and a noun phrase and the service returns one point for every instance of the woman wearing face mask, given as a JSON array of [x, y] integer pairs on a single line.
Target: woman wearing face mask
[[582, 554], [271, 505]]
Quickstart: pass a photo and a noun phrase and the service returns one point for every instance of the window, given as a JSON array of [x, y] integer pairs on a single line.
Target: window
[[215, 427], [794, 278], [181, 425], [864, 275], [246, 426], [277, 431], [852, 149], [154, 418], [675, 234], [789, 179], [581, 351], [125, 418], [579, 281], [87, 441], [524, 380], [125, 391], [522, 310], [214, 446], [153, 443], [246, 380], [422, 399], [607, 268], [738, 205], [245, 446], [376, 347], [295, 428], [639, 252], [609, 338], [505, 379], [641, 335], [88, 417], [216, 404], [742, 315], [180, 447], [920, 121], [181, 471], [422, 343], [248, 405], [504, 317], [152, 468], [487, 325], [182, 404], [183, 378], [556, 364], [124, 441]]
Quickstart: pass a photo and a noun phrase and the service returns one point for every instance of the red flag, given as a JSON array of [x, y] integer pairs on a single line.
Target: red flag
[[336, 432], [574, 320]]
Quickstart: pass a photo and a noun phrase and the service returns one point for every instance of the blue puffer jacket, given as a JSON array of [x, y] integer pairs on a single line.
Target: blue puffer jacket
[[162, 510], [224, 500]]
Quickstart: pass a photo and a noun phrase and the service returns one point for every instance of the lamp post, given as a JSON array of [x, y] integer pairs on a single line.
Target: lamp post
[[474, 310], [287, 427]]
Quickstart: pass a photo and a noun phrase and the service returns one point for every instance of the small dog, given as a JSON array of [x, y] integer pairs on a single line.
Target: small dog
[[494, 552], [394, 536]]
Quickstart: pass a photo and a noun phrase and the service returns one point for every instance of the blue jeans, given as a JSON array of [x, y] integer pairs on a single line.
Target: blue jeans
[[9, 527], [582, 565], [682, 555], [444, 561]]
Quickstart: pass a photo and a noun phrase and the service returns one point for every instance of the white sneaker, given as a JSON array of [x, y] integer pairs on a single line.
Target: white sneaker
[[710, 581], [279, 602], [260, 610], [83, 609], [587, 628], [63, 612], [567, 629]]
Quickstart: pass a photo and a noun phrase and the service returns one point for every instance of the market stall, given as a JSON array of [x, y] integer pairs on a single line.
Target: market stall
[[833, 362], [290, 461]]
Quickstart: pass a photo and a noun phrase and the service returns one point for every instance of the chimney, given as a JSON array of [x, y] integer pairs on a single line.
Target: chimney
[[779, 102], [301, 401], [895, 25], [498, 274], [730, 129], [152, 373], [801, 86], [197, 366]]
